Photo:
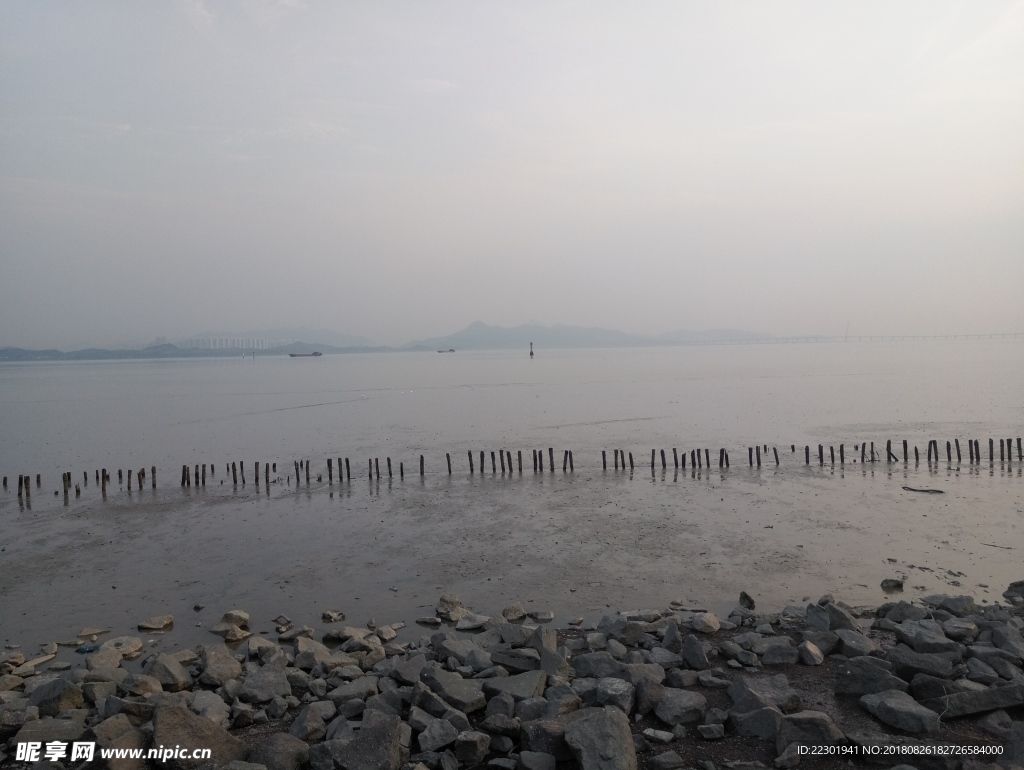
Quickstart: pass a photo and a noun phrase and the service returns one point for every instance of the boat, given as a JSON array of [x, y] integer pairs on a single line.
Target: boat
[[305, 355], [449, 350]]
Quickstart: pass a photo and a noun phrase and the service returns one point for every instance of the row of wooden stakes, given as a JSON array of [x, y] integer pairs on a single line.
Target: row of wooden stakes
[[699, 458]]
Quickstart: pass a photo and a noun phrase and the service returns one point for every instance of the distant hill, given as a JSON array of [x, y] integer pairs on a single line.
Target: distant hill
[[481, 336], [170, 351]]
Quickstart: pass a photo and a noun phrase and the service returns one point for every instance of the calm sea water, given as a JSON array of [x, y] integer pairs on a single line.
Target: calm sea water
[[81, 416]]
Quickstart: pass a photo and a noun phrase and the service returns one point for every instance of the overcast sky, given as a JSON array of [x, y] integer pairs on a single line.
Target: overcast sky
[[400, 169]]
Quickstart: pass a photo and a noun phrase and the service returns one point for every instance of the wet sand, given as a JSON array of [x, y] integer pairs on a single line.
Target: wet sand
[[573, 543]]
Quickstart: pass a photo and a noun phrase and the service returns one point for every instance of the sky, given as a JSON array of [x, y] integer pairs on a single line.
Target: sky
[[399, 170]]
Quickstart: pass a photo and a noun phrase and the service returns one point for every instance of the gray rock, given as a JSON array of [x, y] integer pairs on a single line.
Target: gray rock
[[693, 654], [959, 605], [600, 739], [517, 659], [265, 684], [171, 675], [826, 641], [308, 725], [780, 655], [960, 629], [281, 751], [816, 618], [597, 665], [118, 732], [681, 707], [471, 747], [615, 692], [358, 689], [906, 662], [711, 732], [546, 736], [658, 736], [762, 722], [705, 623], [648, 695], [218, 666], [809, 654], [664, 658], [864, 675], [853, 644], [533, 708], [56, 696], [809, 728], [529, 684], [377, 745], [465, 695], [750, 693], [897, 709], [437, 735], [175, 725], [839, 618], [978, 702], [669, 760], [501, 703]]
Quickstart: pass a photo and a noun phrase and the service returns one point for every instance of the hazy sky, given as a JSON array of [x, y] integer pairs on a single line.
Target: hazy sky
[[400, 169]]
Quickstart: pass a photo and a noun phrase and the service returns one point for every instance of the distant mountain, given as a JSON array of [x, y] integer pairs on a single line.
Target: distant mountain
[[172, 351], [323, 336], [481, 336]]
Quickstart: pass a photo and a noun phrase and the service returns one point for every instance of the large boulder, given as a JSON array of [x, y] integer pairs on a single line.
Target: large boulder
[[600, 739], [750, 693], [265, 684], [977, 702], [681, 707], [171, 675], [521, 686], [281, 751], [175, 725], [808, 728], [864, 675], [377, 745], [56, 696], [217, 665], [465, 695]]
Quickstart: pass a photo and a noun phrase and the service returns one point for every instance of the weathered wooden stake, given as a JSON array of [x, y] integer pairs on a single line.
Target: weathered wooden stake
[[540, 460], [1020, 454], [184, 470], [1002, 457], [970, 451], [757, 455], [775, 450], [494, 464], [572, 468], [604, 461], [721, 458], [653, 452], [483, 466], [534, 460], [904, 450], [330, 471], [448, 457], [423, 469], [307, 474], [501, 456], [67, 483], [664, 464], [750, 456], [1009, 450], [275, 466], [991, 452], [707, 457], [700, 460], [389, 468], [917, 457], [348, 471], [204, 473], [234, 474], [675, 457], [807, 455], [551, 457], [832, 455], [401, 470], [842, 455], [565, 460], [370, 467], [630, 461], [470, 453], [863, 449], [693, 458], [949, 452], [296, 462], [727, 459], [266, 474]]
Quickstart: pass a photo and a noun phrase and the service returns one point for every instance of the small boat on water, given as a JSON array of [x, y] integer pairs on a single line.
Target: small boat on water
[[305, 355], [449, 350]]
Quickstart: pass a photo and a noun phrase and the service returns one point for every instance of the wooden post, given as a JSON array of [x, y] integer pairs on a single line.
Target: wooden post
[[1009, 450], [551, 457], [700, 460], [330, 471], [534, 453], [501, 456], [707, 457], [721, 458], [888, 450], [872, 451], [750, 456], [842, 455], [792, 448], [693, 458], [448, 457], [376, 467], [401, 470], [483, 466], [494, 464], [470, 453], [863, 449], [296, 463], [275, 467], [821, 455], [565, 460], [664, 464], [370, 468], [917, 456], [348, 472], [630, 461], [307, 474], [234, 474], [970, 450], [604, 460], [540, 460], [188, 476], [204, 473], [757, 454], [120, 477], [775, 450], [389, 467], [727, 458], [949, 452], [519, 458], [1020, 454], [1001, 455], [807, 455], [683, 460], [184, 469], [904, 450], [991, 452], [572, 468], [266, 473], [653, 452], [423, 469], [675, 457]]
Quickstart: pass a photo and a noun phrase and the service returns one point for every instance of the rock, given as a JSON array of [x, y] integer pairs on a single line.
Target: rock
[[358, 689], [648, 695], [127, 646], [825, 641], [959, 606], [809, 654], [892, 585], [615, 692], [853, 644], [762, 722], [265, 684], [471, 747], [118, 732], [238, 618], [865, 675], [751, 693], [281, 751], [960, 629], [897, 709], [308, 725], [514, 612], [658, 736], [210, 706], [976, 702], [705, 623], [56, 696], [681, 707], [217, 665], [171, 675], [377, 745], [669, 760], [49, 729], [521, 686], [711, 732], [597, 665], [437, 735], [839, 618], [693, 654], [546, 736], [808, 728], [175, 725], [158, 623], [408, 671], [465, 695], [790, 757], [536, 760], [905, 663], [447, 603], [600, 739], [471, 622]]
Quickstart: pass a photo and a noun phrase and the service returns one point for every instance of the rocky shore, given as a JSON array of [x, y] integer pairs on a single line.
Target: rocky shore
[[933, 684]]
